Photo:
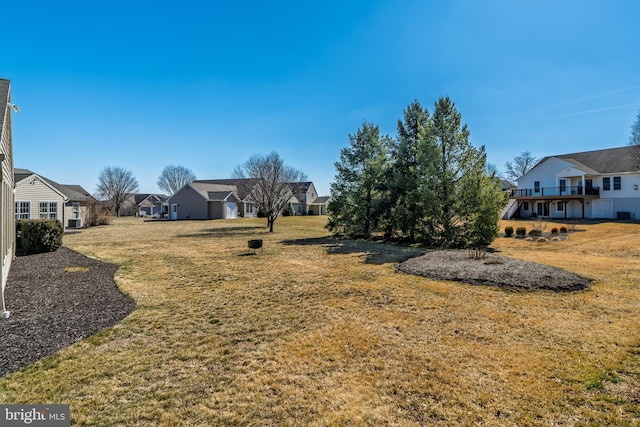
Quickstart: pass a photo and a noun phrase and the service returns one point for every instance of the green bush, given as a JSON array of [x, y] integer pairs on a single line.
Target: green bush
[[508, 231], [521, 231], [39, 235]]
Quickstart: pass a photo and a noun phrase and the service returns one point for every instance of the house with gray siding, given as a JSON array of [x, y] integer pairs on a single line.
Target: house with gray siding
[[144, 205], [204, 200], [7, 221], [591, 184]]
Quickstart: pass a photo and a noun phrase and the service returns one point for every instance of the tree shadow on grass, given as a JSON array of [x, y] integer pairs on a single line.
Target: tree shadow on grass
[[229, 231], [373, 252]]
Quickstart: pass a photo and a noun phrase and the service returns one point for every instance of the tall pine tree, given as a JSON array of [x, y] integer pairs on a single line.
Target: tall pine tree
[[468, 202], [406, 208], [357, 192]]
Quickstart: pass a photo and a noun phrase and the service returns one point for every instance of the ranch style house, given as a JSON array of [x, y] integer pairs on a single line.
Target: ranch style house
[[230, 198], [37, 197]]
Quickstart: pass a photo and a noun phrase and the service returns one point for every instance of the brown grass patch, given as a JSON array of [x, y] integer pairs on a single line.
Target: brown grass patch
[[317, 331]]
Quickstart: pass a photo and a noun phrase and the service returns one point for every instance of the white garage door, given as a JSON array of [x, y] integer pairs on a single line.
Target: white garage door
[[231, 210], [601, 209]]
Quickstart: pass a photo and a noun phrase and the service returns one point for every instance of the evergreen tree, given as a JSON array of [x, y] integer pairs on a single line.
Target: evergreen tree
[[356, 193], [467, 200], [406, 207]]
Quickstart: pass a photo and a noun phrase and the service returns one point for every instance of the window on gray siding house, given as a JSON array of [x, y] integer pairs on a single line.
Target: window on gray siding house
[[617, 183], [606, 183], [22, 210], [48, 210], [536, 186]]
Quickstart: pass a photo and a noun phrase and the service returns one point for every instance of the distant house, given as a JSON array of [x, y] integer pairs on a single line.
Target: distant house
[[590, 184], [204, 200], [37, 197], [307, 201], [7, 221], [230, 198], [144, 205], [242, 189]]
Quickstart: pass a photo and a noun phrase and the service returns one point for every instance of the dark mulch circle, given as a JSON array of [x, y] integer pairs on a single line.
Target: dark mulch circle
[[56, 299], [492, 270]]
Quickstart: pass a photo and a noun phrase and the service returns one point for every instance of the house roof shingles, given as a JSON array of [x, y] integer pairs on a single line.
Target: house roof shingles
[[71, 192], [607, 161]]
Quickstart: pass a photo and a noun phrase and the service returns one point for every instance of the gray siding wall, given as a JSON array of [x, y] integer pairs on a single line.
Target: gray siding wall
[[191, 204], [216, 210]]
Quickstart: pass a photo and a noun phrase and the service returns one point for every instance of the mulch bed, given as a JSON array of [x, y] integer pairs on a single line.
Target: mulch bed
[[56, 299], [492, 270]]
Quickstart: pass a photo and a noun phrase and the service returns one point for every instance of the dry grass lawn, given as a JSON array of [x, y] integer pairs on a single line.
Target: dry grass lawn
[[316, 331]]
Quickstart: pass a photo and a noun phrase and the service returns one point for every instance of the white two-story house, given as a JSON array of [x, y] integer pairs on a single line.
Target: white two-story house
[[590, 184]]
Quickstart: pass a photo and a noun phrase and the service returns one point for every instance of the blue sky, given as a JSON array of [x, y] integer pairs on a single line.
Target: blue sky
[[145, 84]]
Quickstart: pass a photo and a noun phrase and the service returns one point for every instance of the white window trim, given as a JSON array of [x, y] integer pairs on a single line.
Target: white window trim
[[17, 205], [48, 214]]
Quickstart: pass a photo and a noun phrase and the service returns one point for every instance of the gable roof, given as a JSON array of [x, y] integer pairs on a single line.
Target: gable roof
[[607, 161], [212, 191], [154, 198], [69, 192], [300, 187], [242, 186]]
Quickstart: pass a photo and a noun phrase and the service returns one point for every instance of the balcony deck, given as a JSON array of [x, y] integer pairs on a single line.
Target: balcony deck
[[556, 193]]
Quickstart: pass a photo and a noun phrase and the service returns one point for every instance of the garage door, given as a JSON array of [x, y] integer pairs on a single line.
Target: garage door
[[231, 210], [601, 209]]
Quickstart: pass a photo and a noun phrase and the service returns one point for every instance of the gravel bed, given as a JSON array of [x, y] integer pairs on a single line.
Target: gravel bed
[[493, 270], [56, 299]]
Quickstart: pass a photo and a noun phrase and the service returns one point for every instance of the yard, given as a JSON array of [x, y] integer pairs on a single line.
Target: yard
[[317, 331]]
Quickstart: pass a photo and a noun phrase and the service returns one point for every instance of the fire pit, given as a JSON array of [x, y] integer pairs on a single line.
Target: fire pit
[[255, 244]]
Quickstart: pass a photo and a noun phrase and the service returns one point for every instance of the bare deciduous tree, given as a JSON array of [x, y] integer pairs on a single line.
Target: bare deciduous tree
[[96, 213], [634, 139], [114, 183], [520, 165], [173, 178], [270, 181]]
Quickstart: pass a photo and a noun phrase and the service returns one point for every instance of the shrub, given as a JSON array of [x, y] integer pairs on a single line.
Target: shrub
[[477, 253], [554, 230], [521, 231], [287, 211], [563, 229], [535, 233], [39, 235], [96, 214], [508, 231]]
